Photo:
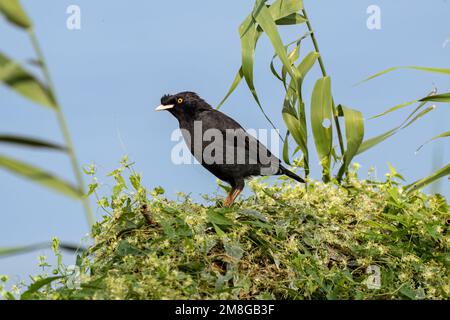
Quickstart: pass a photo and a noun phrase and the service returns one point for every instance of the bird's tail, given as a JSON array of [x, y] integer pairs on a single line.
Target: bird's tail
[[290, 174]]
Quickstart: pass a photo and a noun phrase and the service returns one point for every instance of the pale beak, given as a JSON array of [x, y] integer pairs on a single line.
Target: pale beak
[[164, 107]]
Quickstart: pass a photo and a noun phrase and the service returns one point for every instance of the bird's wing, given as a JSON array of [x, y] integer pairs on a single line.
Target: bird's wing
[[239, 140]]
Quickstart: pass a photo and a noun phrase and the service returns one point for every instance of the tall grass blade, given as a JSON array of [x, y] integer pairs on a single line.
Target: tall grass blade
[[431, 70], [321, 114], [444, 97], [13, 12], [442, 135], [286, 149], [354, 133], [30, 142], [25, 84], [38, 285], [394, 108], [444, 171], [39, 176], [370, 143], [9, 251]]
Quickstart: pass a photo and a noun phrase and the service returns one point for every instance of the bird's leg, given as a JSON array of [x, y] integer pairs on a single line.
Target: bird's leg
[[232, 197]]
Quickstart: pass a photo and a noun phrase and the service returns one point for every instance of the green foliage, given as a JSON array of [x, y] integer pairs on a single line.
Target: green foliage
[[25, 83], [267, 18], [281, 242]]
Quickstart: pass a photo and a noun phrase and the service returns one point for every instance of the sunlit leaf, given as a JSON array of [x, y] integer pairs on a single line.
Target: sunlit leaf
[[286, 149], [444, 97], [354, 133], [39, 176], [307, 63], [321, 123], [9, 251], [25, 84], [262, 15], [294, 18], [372, 142], [409, 120], [444, 171], [30, 142], [234, 84], [431, 70], [285, 8], [442, 135], [397, 107], [33, 288], [14, 13], [293, 125]]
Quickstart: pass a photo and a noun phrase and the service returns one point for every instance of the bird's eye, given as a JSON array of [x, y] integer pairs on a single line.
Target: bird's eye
[[180, 100]]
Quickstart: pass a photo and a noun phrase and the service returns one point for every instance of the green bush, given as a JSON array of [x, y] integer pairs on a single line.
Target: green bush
[[282, 242]]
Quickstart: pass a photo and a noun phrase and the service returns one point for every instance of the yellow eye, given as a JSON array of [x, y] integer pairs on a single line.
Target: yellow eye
[[180, 100]]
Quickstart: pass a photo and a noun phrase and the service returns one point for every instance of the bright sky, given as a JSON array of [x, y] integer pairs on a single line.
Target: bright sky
[[111, 74]]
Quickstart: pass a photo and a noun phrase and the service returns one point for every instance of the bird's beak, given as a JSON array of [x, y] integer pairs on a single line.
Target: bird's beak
[[164, 107]]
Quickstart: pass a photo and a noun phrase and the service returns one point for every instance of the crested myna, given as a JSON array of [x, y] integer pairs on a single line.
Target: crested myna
[[220, 144]]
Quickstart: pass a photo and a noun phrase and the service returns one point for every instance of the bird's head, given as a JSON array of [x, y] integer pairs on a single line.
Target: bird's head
[[183, 103]]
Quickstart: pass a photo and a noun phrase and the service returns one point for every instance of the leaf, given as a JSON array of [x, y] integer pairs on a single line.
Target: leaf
[[293, 125], [307, 63], [294, 18], [431, 70], [25, 84], [264, 18], [33, 288], [402, 105], [399, 106], [366, 145], [39, 176], [30, 142], [236, 81], [218, 218], [372, 142], [354, 133], [9, 251], [442, 135], [444, 171], [285, 8], [321, 111], [444, 97], [286, 149], [408, 292], [14, 13]]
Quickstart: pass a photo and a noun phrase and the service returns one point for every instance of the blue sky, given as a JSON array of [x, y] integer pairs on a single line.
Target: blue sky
[[111, 74]]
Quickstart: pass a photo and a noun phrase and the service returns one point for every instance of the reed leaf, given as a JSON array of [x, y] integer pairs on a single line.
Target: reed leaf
[[30, 142], [9, 251], [394, 108], [13, 12], [370, 143], [354, 133], [442, 135], [265, 20], [33, 288], [430, 70], [39, 176], [443, 97], [286, 149], [25, 84], [444, 171], [321, 111]]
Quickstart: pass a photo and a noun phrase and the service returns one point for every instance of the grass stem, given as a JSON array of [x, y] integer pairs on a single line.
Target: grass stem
[[63, 126], [324, 73]]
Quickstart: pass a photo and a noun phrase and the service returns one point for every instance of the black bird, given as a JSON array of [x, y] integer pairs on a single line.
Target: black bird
[[220, 144]]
